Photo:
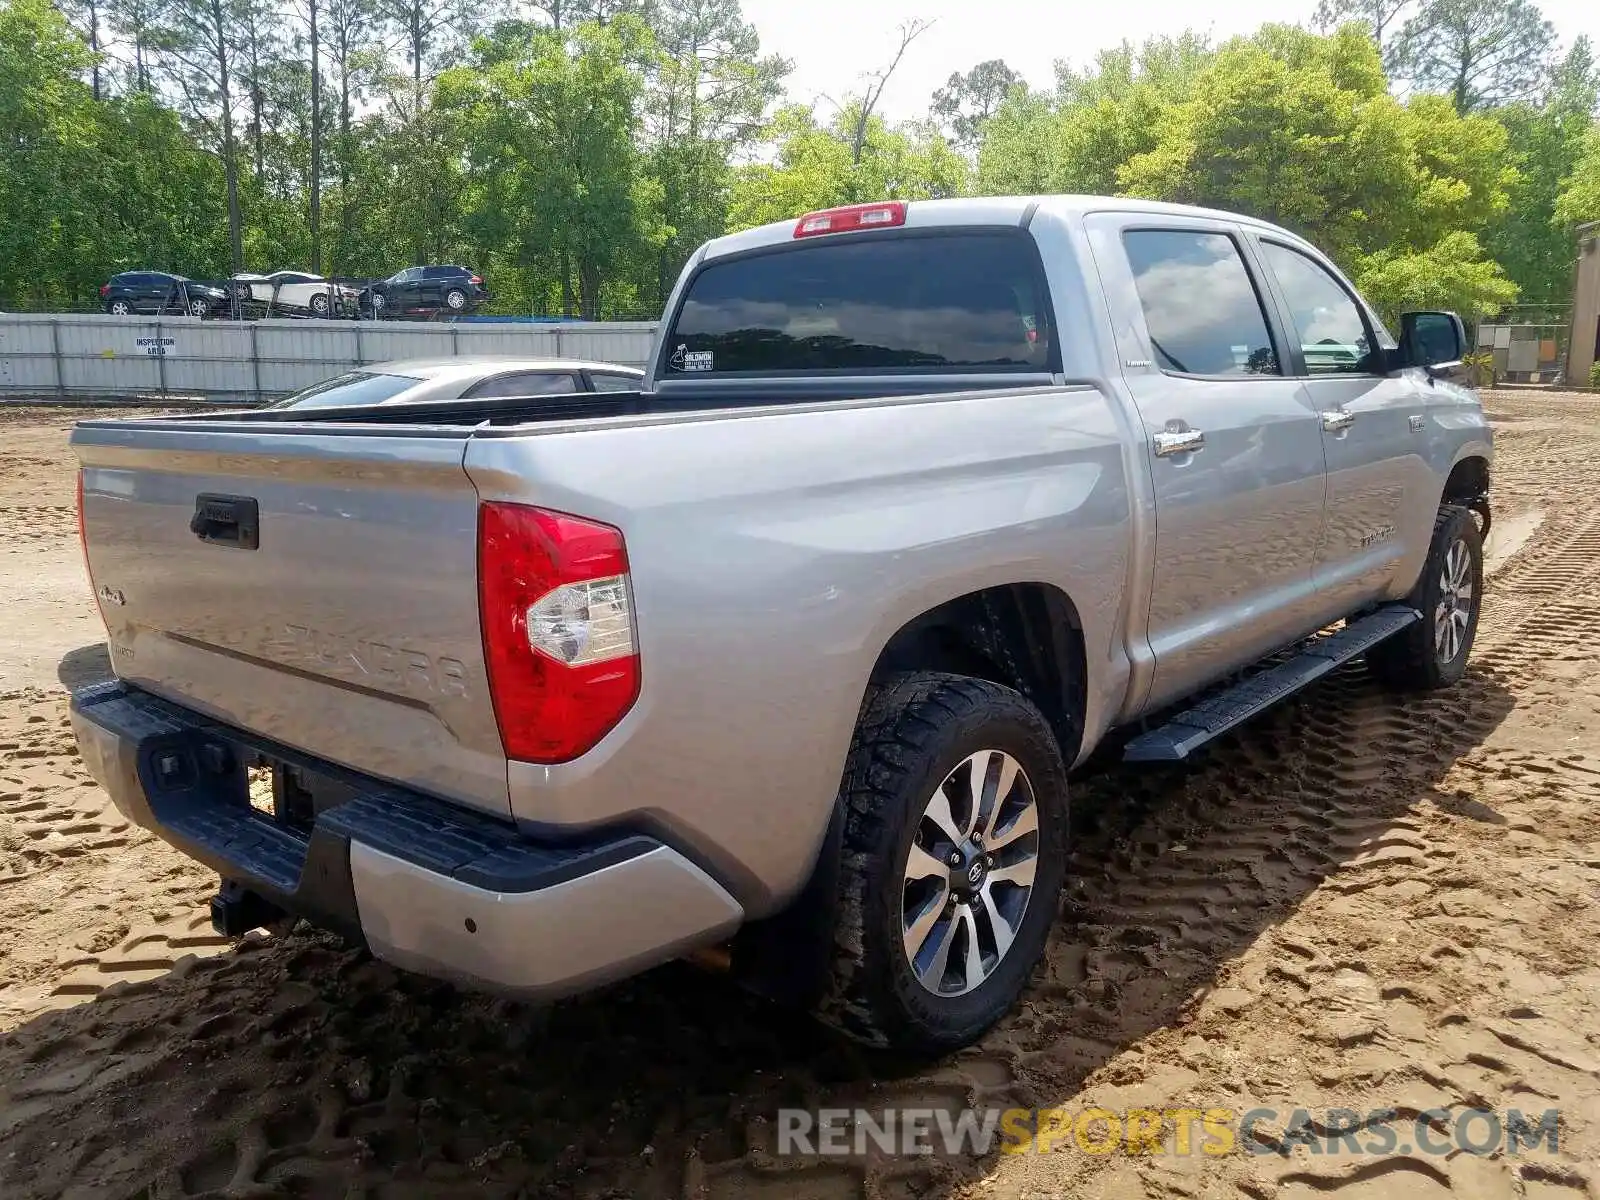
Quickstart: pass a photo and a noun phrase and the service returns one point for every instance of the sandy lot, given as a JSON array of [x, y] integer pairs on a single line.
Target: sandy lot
[[1356, 902]]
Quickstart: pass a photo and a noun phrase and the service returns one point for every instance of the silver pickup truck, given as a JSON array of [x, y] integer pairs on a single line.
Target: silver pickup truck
[[786, 656]]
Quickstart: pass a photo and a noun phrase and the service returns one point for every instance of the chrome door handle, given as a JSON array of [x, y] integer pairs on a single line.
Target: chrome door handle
[[1338, 420], [1178, 441]]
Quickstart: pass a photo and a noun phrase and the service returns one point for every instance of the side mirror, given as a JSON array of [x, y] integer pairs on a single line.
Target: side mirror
[[1435, 341]]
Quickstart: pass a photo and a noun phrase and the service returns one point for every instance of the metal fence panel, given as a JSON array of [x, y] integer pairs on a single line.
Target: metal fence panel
[[90, 355], [535, 342]]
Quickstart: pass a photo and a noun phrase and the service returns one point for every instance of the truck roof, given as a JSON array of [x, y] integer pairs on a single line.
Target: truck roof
[[445, 368], [981, 210]]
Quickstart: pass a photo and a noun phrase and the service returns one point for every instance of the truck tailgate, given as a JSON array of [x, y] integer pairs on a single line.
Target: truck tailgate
[[318, 588]]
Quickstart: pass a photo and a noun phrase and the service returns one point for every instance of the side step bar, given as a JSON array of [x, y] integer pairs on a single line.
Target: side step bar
[[1194, 727]]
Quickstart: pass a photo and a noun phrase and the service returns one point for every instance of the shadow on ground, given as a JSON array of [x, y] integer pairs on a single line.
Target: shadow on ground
[[298, 1067], [83, 666]]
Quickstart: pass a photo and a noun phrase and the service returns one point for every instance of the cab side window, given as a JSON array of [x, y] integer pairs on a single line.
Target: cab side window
[[1327, 321], [524, 383], [1200, 306]]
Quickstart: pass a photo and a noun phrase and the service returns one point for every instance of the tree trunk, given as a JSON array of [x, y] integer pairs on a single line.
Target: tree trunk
[[230, 157], [94, 43], [566, 284], [344, 157], [316, 142], [256, 105], [589, 288], [416, 63]]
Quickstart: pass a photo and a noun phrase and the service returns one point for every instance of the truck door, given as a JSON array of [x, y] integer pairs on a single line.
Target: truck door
[[1382, 494], [1233, 446]]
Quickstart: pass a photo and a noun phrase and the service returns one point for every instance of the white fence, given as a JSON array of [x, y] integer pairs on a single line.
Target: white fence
[[86, 356]]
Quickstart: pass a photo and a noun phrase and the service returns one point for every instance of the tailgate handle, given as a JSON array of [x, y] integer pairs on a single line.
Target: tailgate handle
[[226, 521]]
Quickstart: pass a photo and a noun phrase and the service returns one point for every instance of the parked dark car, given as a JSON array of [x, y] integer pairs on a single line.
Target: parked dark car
[[160, 292], [425, 289]]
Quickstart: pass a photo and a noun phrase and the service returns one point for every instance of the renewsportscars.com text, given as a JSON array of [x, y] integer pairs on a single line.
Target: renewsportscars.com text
[[844, 1132]]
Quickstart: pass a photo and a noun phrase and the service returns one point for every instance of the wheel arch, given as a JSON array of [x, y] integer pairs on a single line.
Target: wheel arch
[[1468, 485], [1025, 635], [1468, 479]]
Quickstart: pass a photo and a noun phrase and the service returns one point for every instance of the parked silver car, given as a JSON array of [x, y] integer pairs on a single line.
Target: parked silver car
[[481, 377], [794, 649]]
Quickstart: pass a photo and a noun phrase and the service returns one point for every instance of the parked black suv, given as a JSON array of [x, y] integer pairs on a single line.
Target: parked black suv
[[425, 289], [160, 292]]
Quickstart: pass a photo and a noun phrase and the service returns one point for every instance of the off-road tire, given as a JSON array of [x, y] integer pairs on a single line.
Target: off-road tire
[[1409, 661], [913, 730]]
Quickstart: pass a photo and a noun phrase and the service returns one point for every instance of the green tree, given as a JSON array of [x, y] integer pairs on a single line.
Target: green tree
[[816, 167], [1579, 201], [1099, 118], [1482, 53], [1451, 274], [965, 104], [556, 175], [707, 98], [88, 19], [1547, 143], [353, 60], [144, 30], [48, 124], [1382, 18], [1301, 130], [204, 69]]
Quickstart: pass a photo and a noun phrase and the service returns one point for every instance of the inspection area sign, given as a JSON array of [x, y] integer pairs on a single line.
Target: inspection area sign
[[156, 347]]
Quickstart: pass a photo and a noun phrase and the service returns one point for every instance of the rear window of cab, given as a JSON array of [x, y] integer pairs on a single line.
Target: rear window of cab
[[963, 301]]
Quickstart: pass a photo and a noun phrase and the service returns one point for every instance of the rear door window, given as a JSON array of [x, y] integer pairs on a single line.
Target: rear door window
[[1200, 306], [951, 301], [525, 383]]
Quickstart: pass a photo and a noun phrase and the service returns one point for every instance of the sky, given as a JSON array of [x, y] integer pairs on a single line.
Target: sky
[[834, 44]]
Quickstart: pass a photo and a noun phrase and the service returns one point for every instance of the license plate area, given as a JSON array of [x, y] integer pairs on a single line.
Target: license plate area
[[291, 796]]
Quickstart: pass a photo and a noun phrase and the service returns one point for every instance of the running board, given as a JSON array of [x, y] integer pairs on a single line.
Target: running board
[[1194, 727]]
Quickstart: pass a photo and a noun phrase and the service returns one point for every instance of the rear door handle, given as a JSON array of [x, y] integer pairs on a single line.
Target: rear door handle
[[1338, 420], [1178, 441]]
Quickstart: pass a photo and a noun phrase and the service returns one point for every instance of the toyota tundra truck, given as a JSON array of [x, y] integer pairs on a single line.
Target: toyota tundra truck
[[786, 658]]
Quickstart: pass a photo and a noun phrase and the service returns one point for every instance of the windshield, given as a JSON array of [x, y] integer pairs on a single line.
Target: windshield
[[965, 301], [348, 390]]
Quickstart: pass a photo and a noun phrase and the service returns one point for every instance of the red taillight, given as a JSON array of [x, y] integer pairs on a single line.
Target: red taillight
[[478, 279], [882, 215], [554, 599], [105, 290]]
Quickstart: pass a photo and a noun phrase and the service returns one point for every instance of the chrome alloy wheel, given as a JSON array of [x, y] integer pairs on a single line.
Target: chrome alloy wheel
[[969, 875], [1454, 612]]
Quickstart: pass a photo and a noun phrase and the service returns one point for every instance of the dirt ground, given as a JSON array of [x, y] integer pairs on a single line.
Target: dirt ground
[[1357, 901]]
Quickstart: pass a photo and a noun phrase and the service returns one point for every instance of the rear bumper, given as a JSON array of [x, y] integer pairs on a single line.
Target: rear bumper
[[428, 886]]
